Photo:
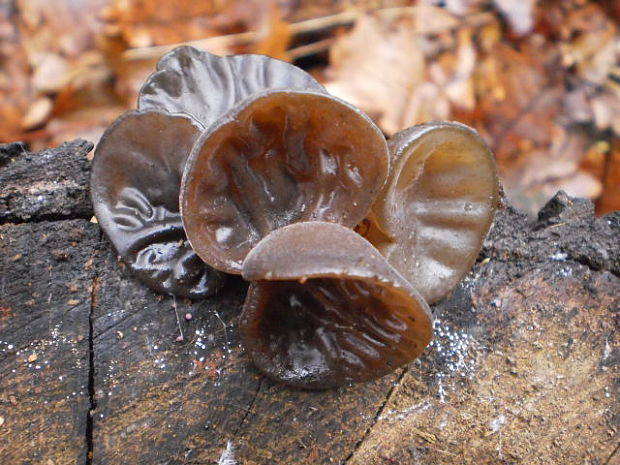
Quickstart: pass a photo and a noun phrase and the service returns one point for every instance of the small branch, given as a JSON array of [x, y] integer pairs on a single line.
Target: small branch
[[346, 18], [243, 38], [310, 49]]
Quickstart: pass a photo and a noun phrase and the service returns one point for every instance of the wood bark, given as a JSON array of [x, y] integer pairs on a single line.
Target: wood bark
[[524, 366]]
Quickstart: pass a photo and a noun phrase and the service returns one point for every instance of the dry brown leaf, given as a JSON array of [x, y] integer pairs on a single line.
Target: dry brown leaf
[[44, 46], [55, 36], [38, 113], [432, 20], [519, 14], [63, 26], [594, 53], [380, 67], [537, 175], [576, 105], [606, 110], [610, 200], [144, 23], [130, 76], [274, 37], [579, 184], [14, 78], [518, 103], [459, 7], [459, 85], [87, 123]]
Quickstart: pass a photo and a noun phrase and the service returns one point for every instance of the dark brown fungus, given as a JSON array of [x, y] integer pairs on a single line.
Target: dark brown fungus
[[277, 158], [135, 181], [434, 212], [326, 309], [206, 86]]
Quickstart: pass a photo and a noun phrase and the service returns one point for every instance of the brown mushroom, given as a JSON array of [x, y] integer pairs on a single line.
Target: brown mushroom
[[135, 181], [275, 159], [325, 308], [435, 210], [206, 86]]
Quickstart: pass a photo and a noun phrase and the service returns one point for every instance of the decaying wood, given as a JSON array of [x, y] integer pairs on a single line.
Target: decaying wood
[[45, 297], [524, 367], [48, 185]]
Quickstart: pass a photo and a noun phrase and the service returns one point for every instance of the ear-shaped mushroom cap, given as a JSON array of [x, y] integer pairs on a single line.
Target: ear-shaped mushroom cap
[[206, 86], [135, 181], [278, 158], [326, 309], [434, 212]]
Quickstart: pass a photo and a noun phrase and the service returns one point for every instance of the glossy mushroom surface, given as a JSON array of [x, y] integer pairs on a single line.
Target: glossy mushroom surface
[[279, 158], [326, 309], [206, 86], [433, 214], [135, 181]]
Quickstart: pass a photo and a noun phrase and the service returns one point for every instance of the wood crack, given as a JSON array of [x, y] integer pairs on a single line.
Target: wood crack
[[613, 453], [92, 401], [250, 406], [44, 218], [391, 393]]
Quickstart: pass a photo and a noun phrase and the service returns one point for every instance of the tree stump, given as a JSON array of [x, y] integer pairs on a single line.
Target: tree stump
[[524, 366]]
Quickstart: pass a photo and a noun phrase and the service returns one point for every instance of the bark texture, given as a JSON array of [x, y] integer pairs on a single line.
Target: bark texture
[[524, 366]]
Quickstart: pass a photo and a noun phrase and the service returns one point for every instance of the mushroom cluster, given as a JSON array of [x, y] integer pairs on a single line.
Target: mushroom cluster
[[246, 165]]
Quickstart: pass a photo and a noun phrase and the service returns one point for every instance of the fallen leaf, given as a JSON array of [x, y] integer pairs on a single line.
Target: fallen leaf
[[610, 198], [15, 87], [142, 23], [518, 13], [458, 84], [379, 67], [274, 37], [606, 110], [38, 113], [51, 73]]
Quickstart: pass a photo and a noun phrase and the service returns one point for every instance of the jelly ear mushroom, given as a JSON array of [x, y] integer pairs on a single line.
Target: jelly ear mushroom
[[279, 158], [135, 181], [434, 212], [325, 309], [206, 86]]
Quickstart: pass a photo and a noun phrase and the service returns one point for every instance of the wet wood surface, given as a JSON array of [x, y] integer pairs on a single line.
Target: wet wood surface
[[524, 366]]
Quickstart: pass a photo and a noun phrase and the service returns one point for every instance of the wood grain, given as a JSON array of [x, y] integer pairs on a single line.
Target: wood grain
[[524, 367]]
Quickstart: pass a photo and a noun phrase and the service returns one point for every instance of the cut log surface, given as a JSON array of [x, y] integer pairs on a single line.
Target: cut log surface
[[524, 366]]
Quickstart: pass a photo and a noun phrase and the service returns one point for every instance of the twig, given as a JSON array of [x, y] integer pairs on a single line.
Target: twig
[[345, 18], [316, 24], [310, 49]]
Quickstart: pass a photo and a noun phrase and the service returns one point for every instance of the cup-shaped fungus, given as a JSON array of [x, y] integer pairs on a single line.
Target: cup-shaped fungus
[[435, 210], [206, 86], [135, 181], [325, 308], [277, 158]]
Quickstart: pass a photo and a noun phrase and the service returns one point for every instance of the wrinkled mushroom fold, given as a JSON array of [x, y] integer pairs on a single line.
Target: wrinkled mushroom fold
[[135, 182], [437, 206], [277, 158], [326, 309], [206, 86], [245, 164]]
